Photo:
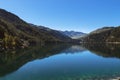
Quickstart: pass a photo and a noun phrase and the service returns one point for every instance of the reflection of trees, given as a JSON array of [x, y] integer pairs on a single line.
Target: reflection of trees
[[12, 60], [105, 50]]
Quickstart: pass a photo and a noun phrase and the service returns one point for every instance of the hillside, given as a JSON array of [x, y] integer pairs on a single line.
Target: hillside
[[106, 34], [14, 32], [74, 34]]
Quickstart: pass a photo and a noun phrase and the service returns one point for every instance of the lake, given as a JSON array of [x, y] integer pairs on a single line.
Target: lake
[[62, 62]]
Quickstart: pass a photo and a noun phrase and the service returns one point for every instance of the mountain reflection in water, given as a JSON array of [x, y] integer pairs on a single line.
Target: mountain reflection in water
[[72, 61], [13, 60], [105, 50]]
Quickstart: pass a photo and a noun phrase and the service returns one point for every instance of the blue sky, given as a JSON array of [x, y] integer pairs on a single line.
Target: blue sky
[[78, 15]]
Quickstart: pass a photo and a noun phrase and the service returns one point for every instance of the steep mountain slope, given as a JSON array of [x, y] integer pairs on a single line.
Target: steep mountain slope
[[106, 34], [14, 32], [74, 34], [56, 35]]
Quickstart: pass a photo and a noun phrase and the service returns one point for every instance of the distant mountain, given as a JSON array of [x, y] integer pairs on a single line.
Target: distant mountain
[[74, 34], [105, 34], [14, 32]]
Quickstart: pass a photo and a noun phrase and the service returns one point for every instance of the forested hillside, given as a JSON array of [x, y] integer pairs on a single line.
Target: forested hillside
[[16, 33], [106, 34]]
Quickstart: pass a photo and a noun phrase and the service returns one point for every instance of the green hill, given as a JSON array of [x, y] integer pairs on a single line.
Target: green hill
[[106, 34], [16, 33]]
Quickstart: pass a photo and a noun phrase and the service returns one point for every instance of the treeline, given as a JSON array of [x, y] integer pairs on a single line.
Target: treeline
[[104, 35], [16, 33]]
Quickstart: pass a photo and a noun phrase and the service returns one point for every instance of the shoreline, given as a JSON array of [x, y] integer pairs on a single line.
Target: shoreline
[[117, 78]]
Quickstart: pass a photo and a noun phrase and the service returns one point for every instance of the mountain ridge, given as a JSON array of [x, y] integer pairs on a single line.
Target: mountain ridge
[[103, 35], [74, 34], [16, 33]]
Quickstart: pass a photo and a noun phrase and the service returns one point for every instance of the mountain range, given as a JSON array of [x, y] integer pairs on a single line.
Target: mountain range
[[74, 34], [16, 33]]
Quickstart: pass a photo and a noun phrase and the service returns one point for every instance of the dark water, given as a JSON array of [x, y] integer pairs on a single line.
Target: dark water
[[62, 62]]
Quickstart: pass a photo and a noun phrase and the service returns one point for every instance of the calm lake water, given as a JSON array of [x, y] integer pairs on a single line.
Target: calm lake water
[[62, 62]]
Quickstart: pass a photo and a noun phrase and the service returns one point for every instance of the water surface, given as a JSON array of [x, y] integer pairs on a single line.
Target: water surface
[[62, 62]]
